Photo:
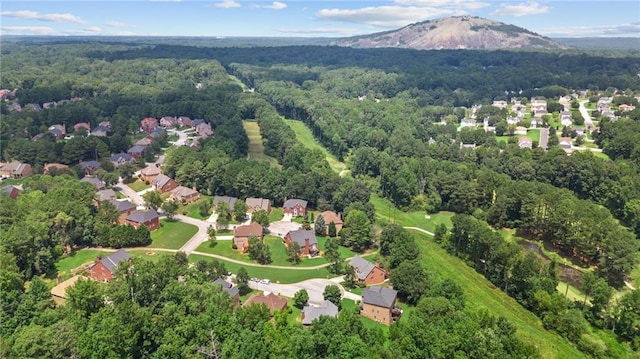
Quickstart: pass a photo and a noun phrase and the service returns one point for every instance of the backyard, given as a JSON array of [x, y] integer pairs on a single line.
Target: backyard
[[172, 234]]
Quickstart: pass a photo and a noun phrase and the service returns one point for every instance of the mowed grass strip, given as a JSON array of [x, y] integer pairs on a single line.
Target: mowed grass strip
[[172, 234], [275, 275], [304, 136], [388, 213], [482, 294], [256, 147]]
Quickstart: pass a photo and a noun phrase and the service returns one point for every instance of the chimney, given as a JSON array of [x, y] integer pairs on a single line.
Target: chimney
[[306, 243]]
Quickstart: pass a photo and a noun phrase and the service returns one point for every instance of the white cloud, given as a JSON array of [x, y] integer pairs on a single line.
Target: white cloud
[[458, 4], [115, 24], [386, 16], [318, 31], [276, 5], [33, 15], [621, 30], [92, 30], [27, 30], [227, 4], [517, 10]]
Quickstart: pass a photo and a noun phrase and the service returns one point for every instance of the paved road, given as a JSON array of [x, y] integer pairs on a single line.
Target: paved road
[[315, 288], [544, 138], [198, 238], [585, 114], [133, 196], [182, 137]]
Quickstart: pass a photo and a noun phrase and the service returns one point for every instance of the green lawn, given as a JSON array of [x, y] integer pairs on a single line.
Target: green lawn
[[348, 304], [534, 135], [120, 195], [387, 212], [172, 235], [256, 148], [147, 255], [193, 209], [173, 138], [304, 136], [138, 185], [481, 294], [276, 214], [67, 263], [344, 251], [275, 275]]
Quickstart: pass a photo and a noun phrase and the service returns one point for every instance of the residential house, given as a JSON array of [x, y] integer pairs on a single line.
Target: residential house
[[217, 199], [10, 191], [149, 124], [144, 142], [14, 107], [33, 106], [15, 169], [271, 301], [467, 122], [168, 121], [525, 142], [184, 121], [379, 304], [149, 218], [124, 208], [565, 143], [196, 122], [295, 207], [204, 130], [80, 125], [626, 108], [513, 120], [565, 118], [58, 131], [105, 124], [94, 181], [157, 132], [150, 173], [366, 272], [228, 288], [104, 268], [59, 292], [305, 238], [467, 145], [329, 217], [535, 122], [184, 194], [499, 104], [100, 131], [52, 168], [163, 183], [89, 166], [104, 195], [242, 233], [256, 204], [311, 312], [520, 131], [540, 112], [136, 151], [121, 158]]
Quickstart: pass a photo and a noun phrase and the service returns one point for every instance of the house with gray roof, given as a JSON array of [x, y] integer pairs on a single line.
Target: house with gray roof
[[379, 304], [124, 208], [311, 312], [149, 218], [89, 166], [105, 195], [136, 151], [305, 238], [295, 207], [228, 288], [104, 268], [163, 183], [94, 181], [121, 158], [366, 272], [217, 199]]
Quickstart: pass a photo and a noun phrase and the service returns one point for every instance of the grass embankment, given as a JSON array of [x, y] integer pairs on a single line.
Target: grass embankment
[[275, 275], [172, 234], [256, 148], [388, 213], [304, 136]]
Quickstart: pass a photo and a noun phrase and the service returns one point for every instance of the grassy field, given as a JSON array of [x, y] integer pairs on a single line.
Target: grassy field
[[147, 255], [138, 185], [386, 211], [276, 214], [67, 263], [304, 135], [256, 148], [172, 235], [275, 275], [534, 135], [481, 294]]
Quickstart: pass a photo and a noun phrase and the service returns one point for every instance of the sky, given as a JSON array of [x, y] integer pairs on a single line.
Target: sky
[[286, 18]]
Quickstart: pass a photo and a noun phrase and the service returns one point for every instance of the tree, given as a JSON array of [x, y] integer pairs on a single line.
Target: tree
[[108, 212], [211, 233], [239, 211], [85, 296], [259, 251], [152, 199], [300, 298], [319, 226], [224, 215], [332, 293], [332, 230], [170, 208], [242, 280], [332, 254], [359, 230], [204, 207], [294, 252], [261, 217], [410, 280], [440, 233], [350, 276], [126, 172]]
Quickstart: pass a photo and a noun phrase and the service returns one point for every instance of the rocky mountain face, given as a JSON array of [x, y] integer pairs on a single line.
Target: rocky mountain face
[[459, 32]]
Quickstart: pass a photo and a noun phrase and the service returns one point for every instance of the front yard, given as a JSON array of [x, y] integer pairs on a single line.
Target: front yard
[[138, 185], [276, 214], [172, 234]]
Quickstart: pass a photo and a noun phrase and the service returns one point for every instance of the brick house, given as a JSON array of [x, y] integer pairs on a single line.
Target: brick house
[[136, 151], [295, 207], [184, 194], [119, 159], [256, 204], [10, 191], [168, 121], [242, 233], [163, 183], [271, 301], [149, 124], [228, 288], [305, 238], [150, 172], [329, 217], [379, 304], [15, 169], [149, 218], [89, 166], [104, 268], [94, 181], [367, 272], [124, 208]]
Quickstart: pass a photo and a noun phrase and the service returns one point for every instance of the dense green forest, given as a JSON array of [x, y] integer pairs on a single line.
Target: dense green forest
[[392, 116]]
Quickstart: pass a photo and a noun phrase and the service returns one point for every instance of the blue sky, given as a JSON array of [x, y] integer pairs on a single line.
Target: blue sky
[[567, 18]]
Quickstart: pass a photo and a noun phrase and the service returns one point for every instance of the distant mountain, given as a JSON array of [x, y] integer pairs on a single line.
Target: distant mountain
[[458, 32], [602, 43]]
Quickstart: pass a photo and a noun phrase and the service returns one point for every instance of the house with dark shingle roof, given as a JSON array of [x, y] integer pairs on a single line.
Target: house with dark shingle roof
[[271, 301], [94, 181], [305, 238], [311, 312], [163, 183], [379, 304], [124, 208], [149, 218], [217, 199], [256, 204], [121, 158], [228, 288], [100, 131], [136, 151], [242, 233], [367, 272], [104, 195], [89, 166], [295, 207], [104, 269]]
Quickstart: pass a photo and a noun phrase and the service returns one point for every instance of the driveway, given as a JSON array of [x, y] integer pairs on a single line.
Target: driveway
[[281, 228], [182, 137], [133, 196], [315, 288], [585, 114], [544, 138]]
